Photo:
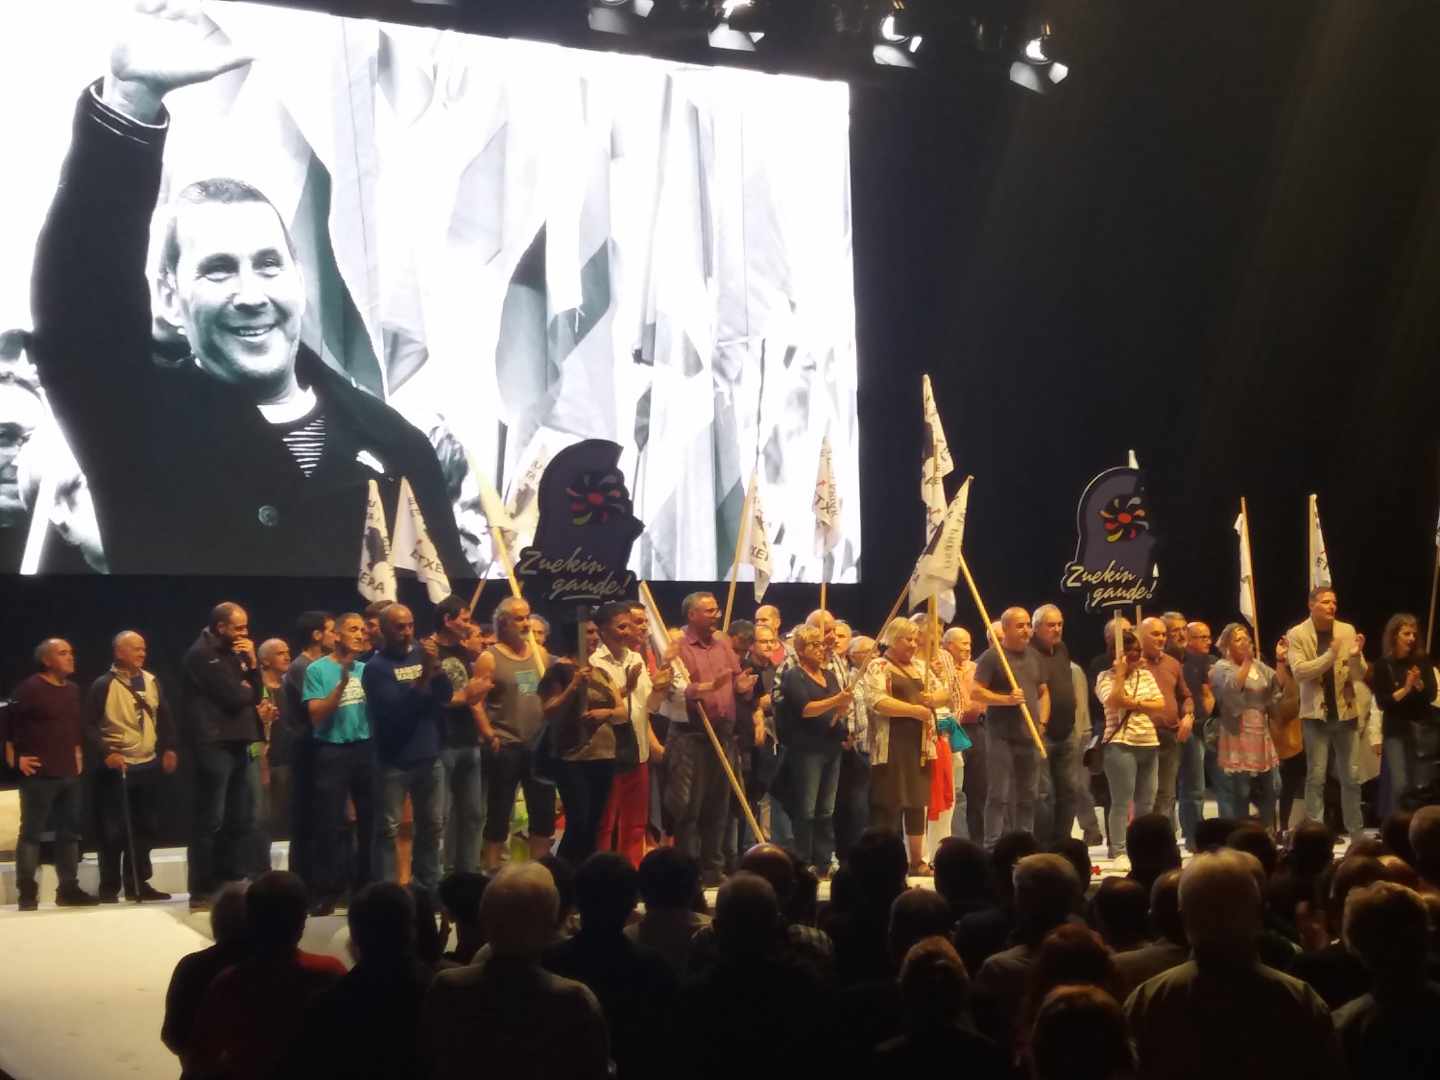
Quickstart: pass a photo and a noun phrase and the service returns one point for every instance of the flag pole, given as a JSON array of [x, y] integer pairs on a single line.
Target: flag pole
[[823, 606], [740, 537], [475, 596], [1254, 607], [1309, 543], [894, 608], [1434, 587], [1000, 652], [714, 740]]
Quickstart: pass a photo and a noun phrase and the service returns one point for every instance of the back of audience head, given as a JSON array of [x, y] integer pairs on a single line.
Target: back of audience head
[[1388, 928], [1312, 849], [606, 888], [1047, 892], [962, 874], [275, 908], [1073, 850], [917, 914], [563, 875], [1150, 843], [1425, 843], [1080, 1034], [775, 865], [1253, 838], [227, 914], [1121, 907], [1070, 955], [934, 985], [520, 910], [428, 946], [1371, 846], [1395, 832], [1165, 908], [382, 923], [460, 895], [1400, 871], [1211, 833], [1220, 904], [1350, 873], [747, 917], [1007, 852], [879, 863], [669, 879]]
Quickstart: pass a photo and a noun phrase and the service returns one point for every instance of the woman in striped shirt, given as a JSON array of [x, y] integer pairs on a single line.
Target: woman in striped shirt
[[1132, 697]]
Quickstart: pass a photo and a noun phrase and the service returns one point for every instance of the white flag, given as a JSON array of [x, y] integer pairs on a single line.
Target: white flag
[[826, 502], [937, 463], [655, 624], [756, 552], [1247, 570], [938, 568], [1319, 561], [377, 576], [414, 550]]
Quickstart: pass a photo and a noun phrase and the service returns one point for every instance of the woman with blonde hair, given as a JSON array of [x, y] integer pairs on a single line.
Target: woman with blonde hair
[[901, 706], [1245, 688]]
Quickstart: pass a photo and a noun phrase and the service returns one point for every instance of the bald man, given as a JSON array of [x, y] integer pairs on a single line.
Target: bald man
[[769, 615], [1011, 760], [130, 731], [45, 735], [1223, 1012]]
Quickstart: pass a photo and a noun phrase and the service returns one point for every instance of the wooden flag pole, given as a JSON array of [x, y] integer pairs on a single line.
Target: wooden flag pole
[[740, 537], [1000, 652], [823, 606], [1309, 542], [894, 609], [475, 596], [1254, 607], [1117, 635], [714, 740]]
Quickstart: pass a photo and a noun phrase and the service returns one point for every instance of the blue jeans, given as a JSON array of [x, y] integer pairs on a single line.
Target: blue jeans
[[425, 783], [1055, 807], [814, 781], [852, 800], [48, 803], [1233, 795], [1322, 736], [1012, 786], [464, 808], [1132, 772], [1398, 758], [1190, 804], [222, 840]]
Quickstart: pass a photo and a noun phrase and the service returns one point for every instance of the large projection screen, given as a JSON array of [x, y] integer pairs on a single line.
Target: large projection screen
[[513, 245]]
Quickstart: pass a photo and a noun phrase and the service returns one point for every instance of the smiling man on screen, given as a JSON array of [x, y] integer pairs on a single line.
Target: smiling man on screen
[[246, 453]]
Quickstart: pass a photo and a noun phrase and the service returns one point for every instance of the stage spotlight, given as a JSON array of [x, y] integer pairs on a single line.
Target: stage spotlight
[[897, 35], [653, 18], [1035, 68]]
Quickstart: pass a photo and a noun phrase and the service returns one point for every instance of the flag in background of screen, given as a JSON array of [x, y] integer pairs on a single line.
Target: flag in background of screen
[[413, 549], [937, 463], [377, 575]]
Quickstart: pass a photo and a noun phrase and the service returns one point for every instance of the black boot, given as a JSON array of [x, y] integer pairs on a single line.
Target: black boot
[[148, 894], [69, 894], [29, 896]]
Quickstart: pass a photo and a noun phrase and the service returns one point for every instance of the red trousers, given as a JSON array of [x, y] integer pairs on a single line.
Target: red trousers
[[626, 814]]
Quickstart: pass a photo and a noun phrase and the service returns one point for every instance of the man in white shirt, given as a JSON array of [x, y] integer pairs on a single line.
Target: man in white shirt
[[622, 826]]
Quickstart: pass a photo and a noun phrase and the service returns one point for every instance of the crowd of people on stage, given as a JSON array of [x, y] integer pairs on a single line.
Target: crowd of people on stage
[[863, 761]]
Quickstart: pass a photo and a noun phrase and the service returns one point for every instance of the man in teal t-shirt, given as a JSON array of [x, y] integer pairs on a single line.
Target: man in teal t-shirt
[[344, 767]]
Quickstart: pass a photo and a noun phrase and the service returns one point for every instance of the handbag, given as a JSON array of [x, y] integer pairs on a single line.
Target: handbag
[[1282, 716]]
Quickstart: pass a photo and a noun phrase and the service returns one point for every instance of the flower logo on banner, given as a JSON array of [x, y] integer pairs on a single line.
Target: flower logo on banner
[[1124, 518], [596, 496]]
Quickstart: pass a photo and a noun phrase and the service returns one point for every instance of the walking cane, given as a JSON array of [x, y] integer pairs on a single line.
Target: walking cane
[[129, 832]]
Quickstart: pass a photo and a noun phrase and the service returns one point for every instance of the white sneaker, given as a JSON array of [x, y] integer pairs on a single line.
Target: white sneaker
[[1120, 864]]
